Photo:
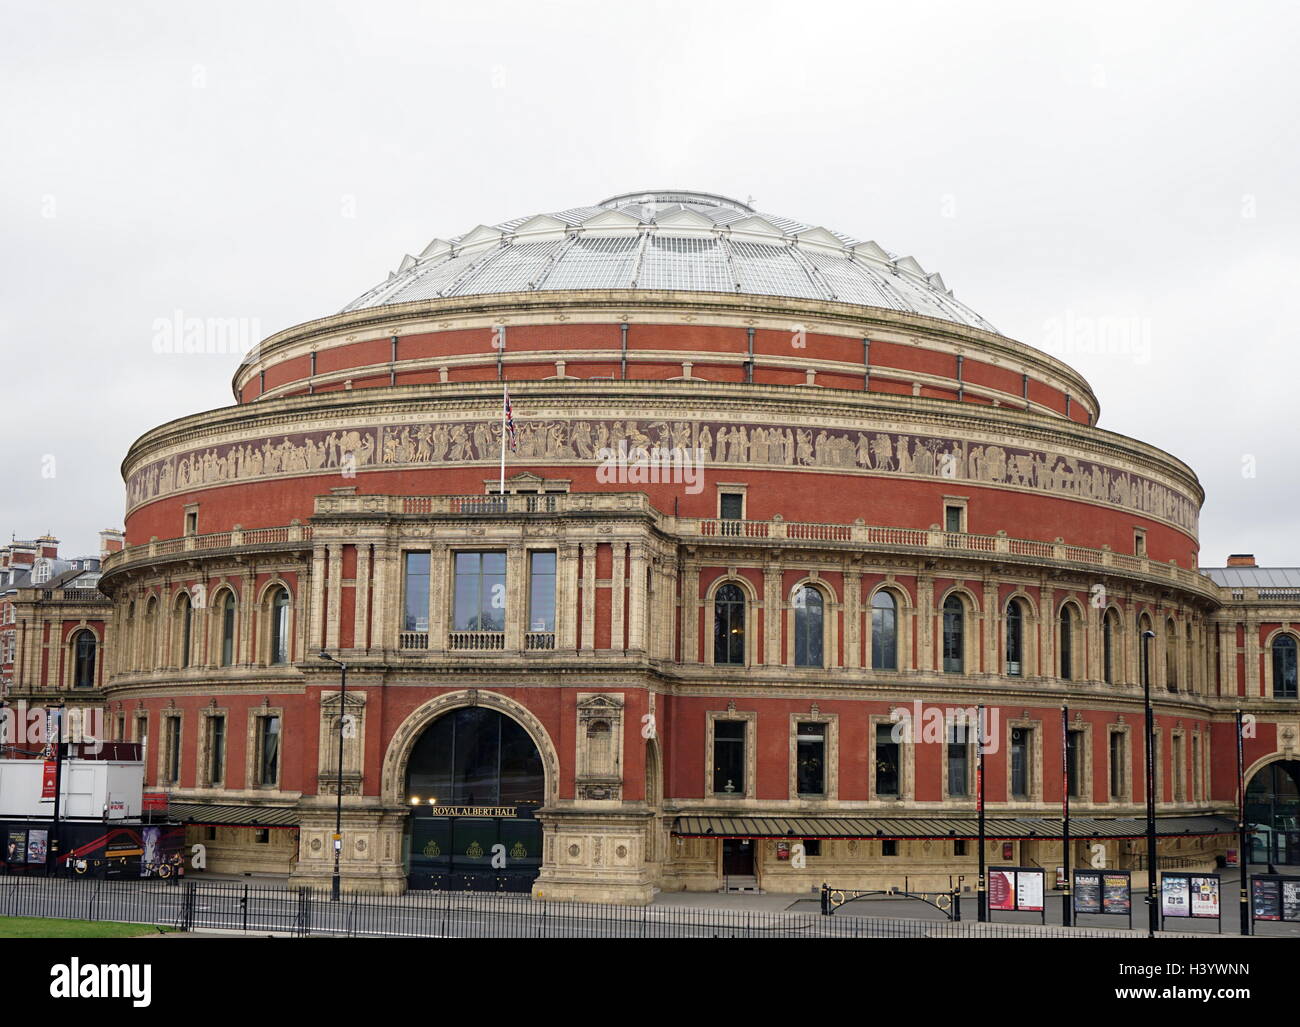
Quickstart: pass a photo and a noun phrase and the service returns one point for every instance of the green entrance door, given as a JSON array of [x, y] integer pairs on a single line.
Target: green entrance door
[[474, 782]]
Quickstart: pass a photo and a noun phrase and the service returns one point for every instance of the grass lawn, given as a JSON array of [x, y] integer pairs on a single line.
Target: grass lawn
[[38, 927]]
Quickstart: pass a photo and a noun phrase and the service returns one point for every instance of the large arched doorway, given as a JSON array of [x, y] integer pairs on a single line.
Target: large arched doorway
[[474, 780], [1273, 813]]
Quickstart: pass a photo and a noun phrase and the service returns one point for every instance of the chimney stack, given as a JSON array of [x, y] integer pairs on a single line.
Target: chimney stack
[[110, 541], [1241, 560]]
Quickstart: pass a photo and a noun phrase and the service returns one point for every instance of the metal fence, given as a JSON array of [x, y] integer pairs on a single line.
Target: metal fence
[[267, 909]]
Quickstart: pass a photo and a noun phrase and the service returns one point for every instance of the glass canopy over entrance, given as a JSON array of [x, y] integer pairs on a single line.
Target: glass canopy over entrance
[[1273, 813]]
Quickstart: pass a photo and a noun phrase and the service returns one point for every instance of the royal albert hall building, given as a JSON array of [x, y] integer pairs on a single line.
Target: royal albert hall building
[[771, 491]]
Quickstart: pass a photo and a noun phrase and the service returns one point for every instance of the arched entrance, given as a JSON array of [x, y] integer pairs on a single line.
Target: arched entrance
[[1273, 813], [474, 780]]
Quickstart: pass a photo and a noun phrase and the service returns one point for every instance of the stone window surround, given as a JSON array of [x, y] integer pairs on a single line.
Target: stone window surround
[[831, 608], [907, 763], [253, 750], [831, 764], [1035, 769], [1126, 764], [750, 718], [203, 767]]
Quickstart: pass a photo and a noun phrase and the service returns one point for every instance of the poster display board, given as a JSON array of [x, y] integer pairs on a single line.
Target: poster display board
[[38, 845], [16, 846], [1190, 896], [1274, 897], [1017, 890], [1103, 892]]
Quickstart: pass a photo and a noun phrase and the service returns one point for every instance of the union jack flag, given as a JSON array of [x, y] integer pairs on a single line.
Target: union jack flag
[[510, 424]]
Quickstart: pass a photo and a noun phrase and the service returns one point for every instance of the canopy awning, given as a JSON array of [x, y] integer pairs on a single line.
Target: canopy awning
[[209, 814], [1002, 828]]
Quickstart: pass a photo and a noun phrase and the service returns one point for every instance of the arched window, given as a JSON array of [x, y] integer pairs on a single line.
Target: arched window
[[83, 659], [729, 625], [149, 658], [884, 631], [1015, 639], [1171, 656], [1284, 668], [184, 629], [1067, 643], [227, 629], [280, 626], [808, 627], [1144, 649], [954, 629], [1108, 628]]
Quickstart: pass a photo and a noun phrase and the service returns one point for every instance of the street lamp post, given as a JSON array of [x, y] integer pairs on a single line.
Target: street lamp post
[[1153, 911], [338, 784]]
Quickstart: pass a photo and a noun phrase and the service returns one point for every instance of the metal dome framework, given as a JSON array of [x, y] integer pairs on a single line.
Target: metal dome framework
[[669, 240]]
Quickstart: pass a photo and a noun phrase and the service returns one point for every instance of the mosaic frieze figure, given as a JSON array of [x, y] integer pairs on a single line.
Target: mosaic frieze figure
[[722, 443]]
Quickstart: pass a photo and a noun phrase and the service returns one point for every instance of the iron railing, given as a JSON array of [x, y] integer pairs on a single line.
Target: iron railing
[[234, 907]]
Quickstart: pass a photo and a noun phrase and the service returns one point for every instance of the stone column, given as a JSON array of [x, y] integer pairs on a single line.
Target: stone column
[[690, 614], [1046, 633], [773, 614], [566, 603], [441, 589], [335, 595], [852, 619], [617, 595], [516, 596], [924, 626], [588, 595], [361, 592], [316, 612], [637, 599], [992, 621]]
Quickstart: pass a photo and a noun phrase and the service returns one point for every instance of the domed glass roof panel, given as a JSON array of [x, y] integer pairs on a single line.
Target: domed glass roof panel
[[673, 240]]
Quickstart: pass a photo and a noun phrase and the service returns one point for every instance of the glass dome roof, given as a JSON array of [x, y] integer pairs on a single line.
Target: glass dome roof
[[673, 240]]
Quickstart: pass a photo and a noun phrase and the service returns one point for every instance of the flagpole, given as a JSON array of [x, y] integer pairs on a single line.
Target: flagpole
[[504, 400]]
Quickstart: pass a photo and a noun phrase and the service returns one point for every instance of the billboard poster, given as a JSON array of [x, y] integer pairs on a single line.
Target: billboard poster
[[38, 845], [1029, 890], [1115, 894], [1002, 889], [1173, 896], [1266, 898], [1205, 896], [49, 777], [151, 843], [1087, 891], [1291, 900], [16, 847]]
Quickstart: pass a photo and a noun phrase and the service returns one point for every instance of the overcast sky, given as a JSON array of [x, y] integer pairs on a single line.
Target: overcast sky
[[1116, 183]]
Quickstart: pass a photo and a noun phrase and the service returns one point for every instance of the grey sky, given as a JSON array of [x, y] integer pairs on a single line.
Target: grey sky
[[1069, 169]]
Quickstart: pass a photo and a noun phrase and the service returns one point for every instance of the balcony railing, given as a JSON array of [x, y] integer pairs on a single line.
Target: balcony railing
[[539, 640], [476, 641], [413, 640], [638, 504]]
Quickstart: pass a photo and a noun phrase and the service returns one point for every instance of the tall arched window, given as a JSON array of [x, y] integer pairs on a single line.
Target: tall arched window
[[1145, 654], [1067, 643], [83, 659], [1171, 656], [184, 629], [954, 630], [1284, 668], [149, 658], [227, 629], [884, 631], [1108, 628], [280, 626], [729, 625], [808, 627], [1015, 639]]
